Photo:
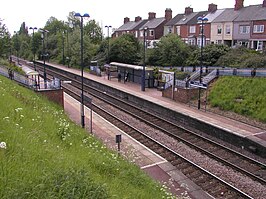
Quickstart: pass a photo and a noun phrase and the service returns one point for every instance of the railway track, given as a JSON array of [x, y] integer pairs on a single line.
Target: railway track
[[197, 174], [243, 164]]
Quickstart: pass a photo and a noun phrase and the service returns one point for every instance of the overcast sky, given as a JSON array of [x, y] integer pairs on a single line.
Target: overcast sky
[[105, 12]]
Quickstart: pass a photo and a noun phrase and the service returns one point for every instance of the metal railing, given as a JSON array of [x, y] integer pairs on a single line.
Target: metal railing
[[34, 82]]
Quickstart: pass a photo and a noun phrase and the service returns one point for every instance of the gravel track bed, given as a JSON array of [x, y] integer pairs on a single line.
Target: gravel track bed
[[244, 183]]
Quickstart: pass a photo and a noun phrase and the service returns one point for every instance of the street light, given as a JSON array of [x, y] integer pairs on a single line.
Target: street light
[[144, 64], [82, 64], [108, 55], [43, 56], [201, 20], [17, 45], [31, 28], [63, 44]]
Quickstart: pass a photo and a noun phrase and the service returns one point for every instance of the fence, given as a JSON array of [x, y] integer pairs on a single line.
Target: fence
[[32, 82]]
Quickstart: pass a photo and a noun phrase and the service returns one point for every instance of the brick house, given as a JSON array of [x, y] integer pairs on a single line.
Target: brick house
[[230, 26], [249, 26], [222, 27], [155, 27]]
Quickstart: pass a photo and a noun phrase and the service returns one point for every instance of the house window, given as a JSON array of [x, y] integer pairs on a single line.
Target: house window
[[244, 29], [192, 29], [199, 42], [228, 29], [191, 42], [219, 29], [218, 41], [151, 32], [141, 33], [178, 30], [258, 28], [169, 30], [259, 46]]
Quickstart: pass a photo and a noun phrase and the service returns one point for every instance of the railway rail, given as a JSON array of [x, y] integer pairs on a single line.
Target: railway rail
[[239, 162], [197, 174]]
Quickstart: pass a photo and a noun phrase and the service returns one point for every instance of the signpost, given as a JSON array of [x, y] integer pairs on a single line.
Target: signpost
[[118, 139]]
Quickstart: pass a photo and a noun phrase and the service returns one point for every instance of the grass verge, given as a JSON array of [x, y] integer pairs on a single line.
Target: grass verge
[[48, 156]]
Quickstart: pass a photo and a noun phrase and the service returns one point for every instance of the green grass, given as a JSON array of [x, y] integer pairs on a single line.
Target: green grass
[[246, 96], [48, 156]]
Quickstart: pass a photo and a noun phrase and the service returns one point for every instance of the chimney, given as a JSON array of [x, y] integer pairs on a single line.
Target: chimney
[[264, 3], [168, 14], [188, 10], [239, 4], [126, 19], [212, 7], [138, 18], [152, 15]]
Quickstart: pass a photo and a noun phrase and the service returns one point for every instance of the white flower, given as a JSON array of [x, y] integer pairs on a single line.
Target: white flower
[[2, 145]]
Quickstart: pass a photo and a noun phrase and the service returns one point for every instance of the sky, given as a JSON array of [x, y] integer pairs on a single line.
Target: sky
[[35, 13]]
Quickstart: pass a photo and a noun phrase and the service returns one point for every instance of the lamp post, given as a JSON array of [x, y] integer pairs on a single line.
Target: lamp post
[[108, 52], [82, 65], [44, 56], [201, 20], [144, 59], [63, 45], [31, 28], [17, 46]]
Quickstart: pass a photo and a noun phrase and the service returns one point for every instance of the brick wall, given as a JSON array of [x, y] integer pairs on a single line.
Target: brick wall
[[56, 96], [180, 94]]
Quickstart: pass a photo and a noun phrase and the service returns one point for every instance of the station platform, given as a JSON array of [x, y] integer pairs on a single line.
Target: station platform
[[154, 165], [235, 127]]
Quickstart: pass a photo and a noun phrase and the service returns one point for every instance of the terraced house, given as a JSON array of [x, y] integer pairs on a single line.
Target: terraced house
[[238, 26]]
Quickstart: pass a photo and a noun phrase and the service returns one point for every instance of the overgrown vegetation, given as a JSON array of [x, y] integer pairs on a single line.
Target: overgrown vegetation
[[44, 155], [245, 96]]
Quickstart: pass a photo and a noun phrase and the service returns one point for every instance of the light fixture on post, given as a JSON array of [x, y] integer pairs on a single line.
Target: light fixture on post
[[33, 44], [78, 15], [44, 56], [201, 20], [17, 45], [144, 59], [108, 55], [63, 46]]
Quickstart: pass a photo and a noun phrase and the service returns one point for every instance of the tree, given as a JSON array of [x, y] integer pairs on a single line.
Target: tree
[[125, 49], [5, 41], [210, 55], [172, 51], [242, 57]]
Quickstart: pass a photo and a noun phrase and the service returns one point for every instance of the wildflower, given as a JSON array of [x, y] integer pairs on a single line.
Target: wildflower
[[5, 118], [2, 145], [45, 141], [18, 109]]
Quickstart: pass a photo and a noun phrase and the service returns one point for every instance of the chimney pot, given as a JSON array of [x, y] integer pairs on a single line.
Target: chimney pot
[[212, 7], [168, 14], [152, 15], [126, 20], [239, 4], [138, 18], [188, 10]]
